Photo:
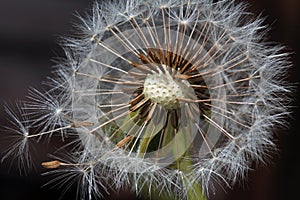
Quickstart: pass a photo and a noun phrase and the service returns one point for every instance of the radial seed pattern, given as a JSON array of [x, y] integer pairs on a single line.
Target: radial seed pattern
[[167, 95]]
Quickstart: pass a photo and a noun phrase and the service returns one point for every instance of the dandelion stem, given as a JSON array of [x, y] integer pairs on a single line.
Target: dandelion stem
[[184, 166]]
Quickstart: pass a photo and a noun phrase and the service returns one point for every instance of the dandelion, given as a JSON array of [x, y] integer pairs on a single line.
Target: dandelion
[[167, 97]]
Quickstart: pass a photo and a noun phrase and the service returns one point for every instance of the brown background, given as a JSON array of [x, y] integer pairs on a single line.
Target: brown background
[[28, 35]]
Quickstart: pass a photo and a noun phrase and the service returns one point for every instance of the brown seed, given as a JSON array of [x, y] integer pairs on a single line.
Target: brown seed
[[51, 164], [145, 59], [124, 141]]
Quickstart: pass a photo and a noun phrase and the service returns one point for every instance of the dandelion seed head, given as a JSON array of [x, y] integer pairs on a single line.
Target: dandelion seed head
[[181, 75], [167, 95]]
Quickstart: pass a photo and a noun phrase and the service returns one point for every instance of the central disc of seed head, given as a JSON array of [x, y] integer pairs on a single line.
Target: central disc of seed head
[[164, 88]]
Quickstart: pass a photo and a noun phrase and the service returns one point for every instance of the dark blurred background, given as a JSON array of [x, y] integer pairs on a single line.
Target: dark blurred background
[[28, 41]]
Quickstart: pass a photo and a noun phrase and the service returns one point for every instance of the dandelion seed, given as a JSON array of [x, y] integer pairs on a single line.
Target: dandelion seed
[[18, 139], [166, 96]]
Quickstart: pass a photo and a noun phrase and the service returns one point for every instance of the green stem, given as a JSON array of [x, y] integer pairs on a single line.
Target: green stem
[[183, 164], [194, 191]]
